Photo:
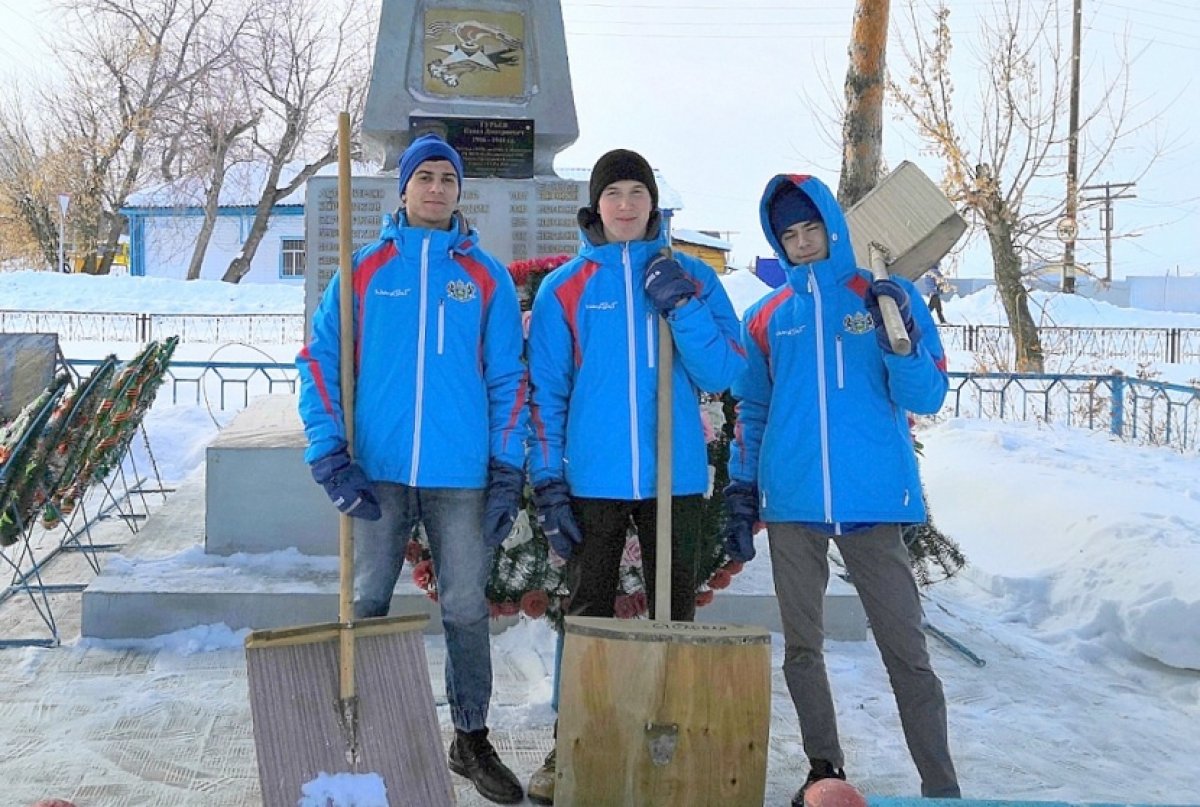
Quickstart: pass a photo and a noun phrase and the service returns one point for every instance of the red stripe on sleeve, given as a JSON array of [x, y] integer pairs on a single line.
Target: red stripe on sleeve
[[318, 378], [759, 326], [363, 274], [570, 295]]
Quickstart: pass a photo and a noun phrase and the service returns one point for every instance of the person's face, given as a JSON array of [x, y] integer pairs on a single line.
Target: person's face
[[431, 195], [625, 208], [805, 242]]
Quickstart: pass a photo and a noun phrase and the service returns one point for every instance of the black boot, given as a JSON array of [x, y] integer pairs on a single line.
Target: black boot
[[818, 769], [472, 756]]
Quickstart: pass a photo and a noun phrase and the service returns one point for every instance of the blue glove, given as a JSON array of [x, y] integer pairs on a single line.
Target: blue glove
[[347, 485], [890, 288], [741, 513], [553, 502], [505, 484], [666, 284]]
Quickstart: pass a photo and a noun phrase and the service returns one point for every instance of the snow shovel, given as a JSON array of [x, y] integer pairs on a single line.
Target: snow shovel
[[662, 712], [902, 227], [346, 697]]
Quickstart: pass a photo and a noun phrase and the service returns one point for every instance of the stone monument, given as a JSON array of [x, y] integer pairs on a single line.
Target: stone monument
[[491, 78]]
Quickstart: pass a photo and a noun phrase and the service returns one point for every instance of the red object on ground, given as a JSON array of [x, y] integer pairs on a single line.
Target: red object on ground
[[833, 793], [54, 803]]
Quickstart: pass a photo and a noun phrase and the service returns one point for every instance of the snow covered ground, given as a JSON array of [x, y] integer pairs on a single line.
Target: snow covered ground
[[1082, 594]]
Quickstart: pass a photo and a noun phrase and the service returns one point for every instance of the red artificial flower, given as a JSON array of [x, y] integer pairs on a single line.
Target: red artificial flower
[[624, 607], [509, 608], [734, 567], [720, 579], [704, 597], [413, 552], [640, 604], [534, 603], [493, 610], [423, 574]]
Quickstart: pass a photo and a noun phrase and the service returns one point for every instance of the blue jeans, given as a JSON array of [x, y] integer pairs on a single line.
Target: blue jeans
[[462, 561]]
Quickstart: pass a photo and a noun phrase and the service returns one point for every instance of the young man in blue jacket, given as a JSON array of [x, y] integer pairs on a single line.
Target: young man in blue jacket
[[593, 351], [822, 451], [441, 419]]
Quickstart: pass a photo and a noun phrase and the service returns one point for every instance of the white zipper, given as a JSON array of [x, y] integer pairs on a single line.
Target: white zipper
[[841, 364], [420, 390], [822, 408], [651, 348], [441, 325], [634, 450]]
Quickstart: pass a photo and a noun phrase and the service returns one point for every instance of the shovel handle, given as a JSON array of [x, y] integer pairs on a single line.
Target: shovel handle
[[892, 324], [346, 377]]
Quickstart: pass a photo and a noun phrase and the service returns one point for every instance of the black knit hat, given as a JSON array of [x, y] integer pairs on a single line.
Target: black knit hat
[[617, 165]]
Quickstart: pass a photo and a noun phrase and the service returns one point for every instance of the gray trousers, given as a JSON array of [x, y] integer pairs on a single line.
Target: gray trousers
[[878, 564]]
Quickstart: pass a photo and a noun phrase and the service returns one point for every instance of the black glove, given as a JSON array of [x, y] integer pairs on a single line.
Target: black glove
[[553, 502], [890, 288], [505, 484], [347, 485], [741, 514], [666, 283]]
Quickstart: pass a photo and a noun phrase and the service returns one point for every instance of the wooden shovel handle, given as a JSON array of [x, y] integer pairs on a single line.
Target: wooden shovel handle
[[893, 325], [662, 562], [346, 377]]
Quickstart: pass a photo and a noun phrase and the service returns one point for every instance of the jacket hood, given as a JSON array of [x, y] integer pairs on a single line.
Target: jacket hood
[[841, 253]]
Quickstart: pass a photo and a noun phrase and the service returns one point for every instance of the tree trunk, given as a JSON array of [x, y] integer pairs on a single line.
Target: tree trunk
[[211, 205], [1027, 346], [862, 127]]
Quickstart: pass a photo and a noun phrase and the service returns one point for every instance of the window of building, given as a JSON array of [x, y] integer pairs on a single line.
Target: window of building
[[291, 257]]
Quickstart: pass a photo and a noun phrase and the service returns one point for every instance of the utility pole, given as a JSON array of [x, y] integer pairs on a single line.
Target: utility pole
[[1069, 224], [1106, 222], [63, 200]]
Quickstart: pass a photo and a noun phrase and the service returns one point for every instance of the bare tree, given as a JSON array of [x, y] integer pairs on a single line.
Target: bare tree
[[305, 62], [862, 126], [209, 133], [130, 59], [29, 183], [1004, 157]]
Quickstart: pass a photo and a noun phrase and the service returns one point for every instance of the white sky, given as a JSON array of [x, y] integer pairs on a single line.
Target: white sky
[[1083, 597], [719, 95]]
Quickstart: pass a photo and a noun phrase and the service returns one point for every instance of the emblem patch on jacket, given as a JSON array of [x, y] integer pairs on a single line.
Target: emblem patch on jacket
[[858, 323], [461, 290]]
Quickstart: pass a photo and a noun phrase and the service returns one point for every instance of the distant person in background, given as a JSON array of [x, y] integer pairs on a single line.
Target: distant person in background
[[935, 285], [823, 452]]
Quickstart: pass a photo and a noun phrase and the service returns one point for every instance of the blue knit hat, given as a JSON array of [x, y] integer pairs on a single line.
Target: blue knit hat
[[425, 148], [789, 206]]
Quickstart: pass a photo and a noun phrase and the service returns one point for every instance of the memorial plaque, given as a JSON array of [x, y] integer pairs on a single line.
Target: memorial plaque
[[516, 219], [489, 147]]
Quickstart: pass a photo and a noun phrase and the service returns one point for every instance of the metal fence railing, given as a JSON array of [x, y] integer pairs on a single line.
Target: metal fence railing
[[1147, 412], [1174, 345], [85, 326]]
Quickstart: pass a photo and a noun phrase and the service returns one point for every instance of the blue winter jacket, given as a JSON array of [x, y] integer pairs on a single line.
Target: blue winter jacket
[[441, 387], [593, 350], [822, 410]]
